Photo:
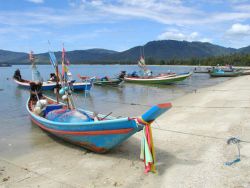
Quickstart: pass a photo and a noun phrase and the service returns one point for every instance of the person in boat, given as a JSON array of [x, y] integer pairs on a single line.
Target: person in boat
[[122, 75], [230, 67], [36, 90], [105, 78], [53, 77], [134, 74], [151, 73], [17, 75]]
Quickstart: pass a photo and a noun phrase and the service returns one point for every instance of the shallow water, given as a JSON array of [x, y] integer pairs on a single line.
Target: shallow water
[[18, 135]]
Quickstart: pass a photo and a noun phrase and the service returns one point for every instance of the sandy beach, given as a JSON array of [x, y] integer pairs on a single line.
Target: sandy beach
[[190, 142]]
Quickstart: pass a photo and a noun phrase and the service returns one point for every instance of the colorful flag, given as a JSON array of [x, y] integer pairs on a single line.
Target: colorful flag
[[65, 69], [142, 61], [53, 59]]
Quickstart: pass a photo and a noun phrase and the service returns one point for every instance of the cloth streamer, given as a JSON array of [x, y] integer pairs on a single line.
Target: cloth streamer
[[147, 147]]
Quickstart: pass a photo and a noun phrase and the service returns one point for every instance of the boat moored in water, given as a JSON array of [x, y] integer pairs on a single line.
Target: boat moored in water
[[49, 85], [159, 79], [221, 73]]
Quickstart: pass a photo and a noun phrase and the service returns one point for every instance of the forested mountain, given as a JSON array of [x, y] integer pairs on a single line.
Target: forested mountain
[[163, 50]]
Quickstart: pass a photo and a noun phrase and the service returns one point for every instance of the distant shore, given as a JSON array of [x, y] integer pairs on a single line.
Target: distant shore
[[15, 64]]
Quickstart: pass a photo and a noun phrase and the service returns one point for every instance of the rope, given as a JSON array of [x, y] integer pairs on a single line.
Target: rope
[[234, 140], [209, 107], [198, 135]]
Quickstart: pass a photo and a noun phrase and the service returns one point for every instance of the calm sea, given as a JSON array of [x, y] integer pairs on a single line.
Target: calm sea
[[19, 135]]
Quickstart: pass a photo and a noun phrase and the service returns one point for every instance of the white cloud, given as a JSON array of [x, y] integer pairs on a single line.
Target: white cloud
[[238, 35], [239, 29], [172, 13], [242, 7], [176, 35], [205, 40], [36, 1], [168, 12]]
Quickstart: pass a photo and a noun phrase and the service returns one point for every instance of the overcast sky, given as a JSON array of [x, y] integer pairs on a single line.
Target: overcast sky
[[118, 25]]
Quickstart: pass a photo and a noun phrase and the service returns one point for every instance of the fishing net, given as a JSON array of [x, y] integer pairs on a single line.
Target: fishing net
[[68, 116]]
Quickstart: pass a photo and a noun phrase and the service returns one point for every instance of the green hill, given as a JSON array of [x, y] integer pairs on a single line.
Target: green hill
[[158, 50]]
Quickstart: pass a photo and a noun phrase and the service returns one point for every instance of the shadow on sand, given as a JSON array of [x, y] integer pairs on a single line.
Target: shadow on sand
[[130, 150]]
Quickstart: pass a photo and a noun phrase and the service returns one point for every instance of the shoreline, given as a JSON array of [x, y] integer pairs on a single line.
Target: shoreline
[[187, 151], [41, 64]]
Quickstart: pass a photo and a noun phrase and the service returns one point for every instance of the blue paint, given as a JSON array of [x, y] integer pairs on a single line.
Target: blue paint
[[76, 86], [232, 162], [114, 131], [153, 113]]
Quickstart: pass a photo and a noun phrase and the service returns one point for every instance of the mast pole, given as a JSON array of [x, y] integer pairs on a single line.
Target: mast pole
[[57, 84]]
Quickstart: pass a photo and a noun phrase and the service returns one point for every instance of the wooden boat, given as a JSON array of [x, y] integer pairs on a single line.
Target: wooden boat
[[78, 86], [221, 73], [160, 79], [108, 82], [49, 85], [78, 126], [202, 70], [95, 132], [26, 84]]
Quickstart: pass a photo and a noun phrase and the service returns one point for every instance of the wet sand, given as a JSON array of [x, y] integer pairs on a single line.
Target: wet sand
[[190, 142]]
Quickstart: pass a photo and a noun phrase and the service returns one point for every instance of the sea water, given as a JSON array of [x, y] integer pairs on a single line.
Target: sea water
[[18, 135]]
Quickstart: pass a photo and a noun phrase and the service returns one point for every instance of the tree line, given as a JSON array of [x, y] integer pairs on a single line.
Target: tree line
[[237, 59]]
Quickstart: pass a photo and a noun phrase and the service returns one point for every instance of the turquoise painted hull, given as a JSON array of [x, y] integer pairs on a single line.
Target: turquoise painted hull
[[225, 74], [98, 136]]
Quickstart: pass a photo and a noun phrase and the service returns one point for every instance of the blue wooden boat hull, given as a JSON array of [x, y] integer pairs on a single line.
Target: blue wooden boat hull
[[82, 86], [78, 86], [97, 136]]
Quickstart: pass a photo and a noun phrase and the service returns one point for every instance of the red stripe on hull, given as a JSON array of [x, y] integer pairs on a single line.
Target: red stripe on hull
[[165, 105], [86, 133]]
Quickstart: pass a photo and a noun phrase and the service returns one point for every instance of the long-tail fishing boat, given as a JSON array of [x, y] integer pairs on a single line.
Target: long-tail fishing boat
[[200, 69], [96, 132], [106, 81], [114, 82], [146, 76], [47, 85], [221, 73], [159, 79]]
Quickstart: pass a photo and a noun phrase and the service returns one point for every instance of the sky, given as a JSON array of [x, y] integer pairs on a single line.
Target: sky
[[119, 25]]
